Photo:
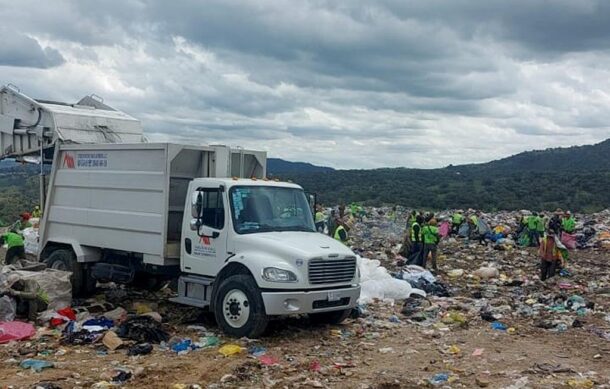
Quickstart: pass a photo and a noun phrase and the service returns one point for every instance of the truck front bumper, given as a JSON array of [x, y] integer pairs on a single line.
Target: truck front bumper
[[293, 302]]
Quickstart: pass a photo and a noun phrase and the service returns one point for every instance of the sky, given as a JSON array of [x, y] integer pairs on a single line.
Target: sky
[[345, 83]]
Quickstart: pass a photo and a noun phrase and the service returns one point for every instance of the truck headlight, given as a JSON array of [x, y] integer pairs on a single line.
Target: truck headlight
[[273, 274]]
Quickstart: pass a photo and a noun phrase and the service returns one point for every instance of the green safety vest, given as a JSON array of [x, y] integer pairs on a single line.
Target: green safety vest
[[540, 224], [13, 240], [568, 225], [457, 218], [532, 223], [413, 237], [319, 217], [338, 235], [430, 234]]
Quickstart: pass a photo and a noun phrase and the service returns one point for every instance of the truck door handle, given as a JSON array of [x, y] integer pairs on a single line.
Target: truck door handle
[[187, 245]]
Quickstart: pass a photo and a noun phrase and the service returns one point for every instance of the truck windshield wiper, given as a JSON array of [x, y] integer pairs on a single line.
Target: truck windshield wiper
[[295, 228]]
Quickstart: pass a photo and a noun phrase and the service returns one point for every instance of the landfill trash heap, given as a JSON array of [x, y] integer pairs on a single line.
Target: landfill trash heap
[[445, 323]]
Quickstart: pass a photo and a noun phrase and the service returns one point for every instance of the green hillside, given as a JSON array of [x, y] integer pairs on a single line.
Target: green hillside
[[576, 178], [18, 191]]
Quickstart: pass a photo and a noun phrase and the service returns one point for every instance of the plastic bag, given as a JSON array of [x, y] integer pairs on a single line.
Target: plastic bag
[[415, 273], [35, 364], [486, 273], [54, 287], [30, 238], [377, 283], [15, 330], [230, 349], [8, 308], [569, 240]]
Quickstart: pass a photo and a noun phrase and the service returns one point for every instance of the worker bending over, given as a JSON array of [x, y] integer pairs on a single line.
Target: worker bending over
[[16, 247]]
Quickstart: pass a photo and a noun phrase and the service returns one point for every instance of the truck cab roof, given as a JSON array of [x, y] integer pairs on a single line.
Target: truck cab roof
[[230, 182]]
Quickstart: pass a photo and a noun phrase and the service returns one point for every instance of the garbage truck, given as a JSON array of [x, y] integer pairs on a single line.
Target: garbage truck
[[240, 245]]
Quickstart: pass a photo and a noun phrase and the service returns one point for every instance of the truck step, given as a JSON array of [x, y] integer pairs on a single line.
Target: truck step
[[194, 290]]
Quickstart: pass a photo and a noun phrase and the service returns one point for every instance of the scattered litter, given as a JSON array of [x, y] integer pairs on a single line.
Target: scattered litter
[[112, 341], [35, 364], [140, 349], [230, 349], [15, 330]]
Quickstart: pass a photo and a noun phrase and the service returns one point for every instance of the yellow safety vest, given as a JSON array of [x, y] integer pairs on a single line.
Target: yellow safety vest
[[338, 236], [413, 237]]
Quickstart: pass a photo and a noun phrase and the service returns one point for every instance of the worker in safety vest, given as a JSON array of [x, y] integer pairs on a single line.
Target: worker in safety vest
[[550, 256], [332, 223], [341, 232], [36, 212], [431, 237], [541, 224], [16, 247], [410, 220], [532, 226], [319, 219], [568, 223], [417, 246], [474, 219], [456, 221]]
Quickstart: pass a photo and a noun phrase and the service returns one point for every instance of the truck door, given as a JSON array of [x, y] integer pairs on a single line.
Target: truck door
[[204, 248]]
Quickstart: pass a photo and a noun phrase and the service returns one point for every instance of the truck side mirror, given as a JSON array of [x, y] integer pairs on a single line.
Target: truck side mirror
[[312, 202], [196, 204]]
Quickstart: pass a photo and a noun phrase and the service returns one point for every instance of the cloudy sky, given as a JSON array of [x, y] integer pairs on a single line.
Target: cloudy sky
[[348, 84]]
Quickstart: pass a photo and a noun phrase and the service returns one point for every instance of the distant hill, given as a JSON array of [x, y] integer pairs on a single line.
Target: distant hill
[[277, 166], [576, 178], [577, 158]]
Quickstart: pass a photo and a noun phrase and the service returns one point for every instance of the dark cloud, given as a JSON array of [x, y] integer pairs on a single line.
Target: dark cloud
[[344, 83], [20, 50]]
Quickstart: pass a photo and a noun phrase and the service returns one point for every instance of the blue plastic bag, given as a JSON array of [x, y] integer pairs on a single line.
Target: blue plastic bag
[[36, 364]]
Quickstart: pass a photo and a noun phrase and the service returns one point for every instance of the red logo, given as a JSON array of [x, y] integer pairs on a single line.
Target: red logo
[[68, 161], [204, 240]]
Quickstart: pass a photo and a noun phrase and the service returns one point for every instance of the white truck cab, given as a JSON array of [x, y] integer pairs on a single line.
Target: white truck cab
[[257, 238], [244, 248]]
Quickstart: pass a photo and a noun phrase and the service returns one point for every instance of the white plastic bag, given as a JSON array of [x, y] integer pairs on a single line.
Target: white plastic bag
[[377, 283], [30, 237]]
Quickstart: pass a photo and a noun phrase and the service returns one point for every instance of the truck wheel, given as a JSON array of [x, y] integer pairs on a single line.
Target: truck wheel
[[63, 259], [239, 307], [334, 317]]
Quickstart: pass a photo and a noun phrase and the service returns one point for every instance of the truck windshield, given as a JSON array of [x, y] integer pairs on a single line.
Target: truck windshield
[[269, 208]]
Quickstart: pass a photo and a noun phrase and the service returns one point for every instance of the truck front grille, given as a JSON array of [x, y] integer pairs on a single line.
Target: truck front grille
[[331, 271]]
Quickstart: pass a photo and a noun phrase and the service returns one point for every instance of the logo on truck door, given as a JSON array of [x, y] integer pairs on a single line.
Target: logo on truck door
[[204, 248]]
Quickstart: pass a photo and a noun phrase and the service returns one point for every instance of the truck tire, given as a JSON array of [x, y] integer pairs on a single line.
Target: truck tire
[[334, 317], [239, 309], [64, 259]]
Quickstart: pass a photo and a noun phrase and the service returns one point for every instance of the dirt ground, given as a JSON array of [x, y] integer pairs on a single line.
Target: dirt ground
[[373, 351]]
